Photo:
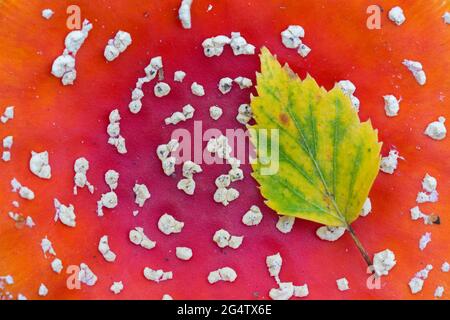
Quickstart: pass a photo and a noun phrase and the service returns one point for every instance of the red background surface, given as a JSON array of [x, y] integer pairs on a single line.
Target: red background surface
[[71, 122]]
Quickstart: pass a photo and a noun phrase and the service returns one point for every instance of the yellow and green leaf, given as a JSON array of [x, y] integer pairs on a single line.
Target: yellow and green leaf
[[326, 159]]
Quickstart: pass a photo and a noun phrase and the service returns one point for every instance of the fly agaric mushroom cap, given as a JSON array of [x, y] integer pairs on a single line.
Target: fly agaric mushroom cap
[[71, 122]]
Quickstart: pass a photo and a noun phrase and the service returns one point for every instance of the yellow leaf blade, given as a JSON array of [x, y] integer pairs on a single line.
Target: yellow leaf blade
[[326, 159]]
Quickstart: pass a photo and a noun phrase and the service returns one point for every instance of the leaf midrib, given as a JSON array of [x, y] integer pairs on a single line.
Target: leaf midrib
[[313, 159], [294, 164]]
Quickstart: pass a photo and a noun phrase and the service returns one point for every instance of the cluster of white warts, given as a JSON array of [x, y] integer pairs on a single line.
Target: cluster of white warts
[[85, 274], [348, 88], [81, 167], [214, 46], [224, 239], [38, 165], [291, 39], [428, 194], [397, 16], [221, 148], [105, 250], [285, 290], [164, 153], [384, 261], [184, 13], [435, 130], [7, 145], [64, 67], [115, 138], [7, 295], [109, 199], [65, 214], [150, 73], [418, 280], [178, 116], [7, 115], [416, 69], [117, 45], [47, 14], [188, 184], [138, 237], [25, 193], [244, 111]]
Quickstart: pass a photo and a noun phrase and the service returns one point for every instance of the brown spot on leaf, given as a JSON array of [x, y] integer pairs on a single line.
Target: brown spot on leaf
[[284, 118]]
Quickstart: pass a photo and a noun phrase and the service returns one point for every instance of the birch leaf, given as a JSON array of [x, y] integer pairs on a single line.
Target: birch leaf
[[315, 159]]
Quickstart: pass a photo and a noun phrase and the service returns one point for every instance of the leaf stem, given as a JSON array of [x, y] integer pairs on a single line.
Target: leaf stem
[[359, 245]]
